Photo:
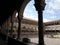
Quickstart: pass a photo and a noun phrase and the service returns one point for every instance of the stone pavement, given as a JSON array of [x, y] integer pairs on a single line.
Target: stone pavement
[[2, 42]]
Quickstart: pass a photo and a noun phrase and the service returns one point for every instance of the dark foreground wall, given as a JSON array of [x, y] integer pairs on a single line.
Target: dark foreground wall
[[12, 41]]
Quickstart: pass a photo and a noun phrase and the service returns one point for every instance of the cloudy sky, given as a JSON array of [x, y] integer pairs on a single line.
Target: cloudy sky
[[51, 12]]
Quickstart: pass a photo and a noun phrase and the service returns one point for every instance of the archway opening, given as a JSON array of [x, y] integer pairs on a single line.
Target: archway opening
[[51, 17], [29, 23]]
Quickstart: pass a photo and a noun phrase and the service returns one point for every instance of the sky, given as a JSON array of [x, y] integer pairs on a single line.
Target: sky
[[51, 12]]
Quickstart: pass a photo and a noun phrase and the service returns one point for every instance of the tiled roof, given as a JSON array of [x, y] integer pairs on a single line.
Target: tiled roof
[[29, 21]]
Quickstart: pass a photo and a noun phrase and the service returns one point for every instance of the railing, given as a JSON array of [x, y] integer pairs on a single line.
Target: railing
[[52, 32]]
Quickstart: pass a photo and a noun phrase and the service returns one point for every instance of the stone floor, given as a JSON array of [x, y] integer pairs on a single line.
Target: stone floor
[[52, 40], [2, 42]]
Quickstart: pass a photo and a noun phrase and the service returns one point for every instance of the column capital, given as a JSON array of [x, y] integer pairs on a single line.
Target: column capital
[[20, 16], [39, 4]]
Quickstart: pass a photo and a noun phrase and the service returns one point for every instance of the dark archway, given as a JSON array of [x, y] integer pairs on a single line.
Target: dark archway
[[39, 5]]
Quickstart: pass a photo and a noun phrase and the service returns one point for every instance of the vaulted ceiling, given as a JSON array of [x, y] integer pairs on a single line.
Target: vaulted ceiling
[[7, 8]]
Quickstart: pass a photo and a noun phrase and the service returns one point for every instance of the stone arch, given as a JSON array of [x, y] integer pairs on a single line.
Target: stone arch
[[23, 7]]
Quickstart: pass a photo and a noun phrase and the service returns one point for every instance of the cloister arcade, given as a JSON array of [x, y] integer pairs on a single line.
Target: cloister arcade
[[11, 7]]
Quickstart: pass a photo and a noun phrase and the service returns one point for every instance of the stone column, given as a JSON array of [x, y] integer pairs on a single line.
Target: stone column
[[12, 22], [19, 25], [11, 26], [39, 5]]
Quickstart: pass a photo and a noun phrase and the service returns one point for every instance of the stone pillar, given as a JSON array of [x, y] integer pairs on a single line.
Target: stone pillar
[[7, 30], [11, 26], [39, 5], [19, 25], [12, 17]]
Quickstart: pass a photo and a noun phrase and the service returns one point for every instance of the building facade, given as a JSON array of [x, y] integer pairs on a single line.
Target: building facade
[[28, 27]]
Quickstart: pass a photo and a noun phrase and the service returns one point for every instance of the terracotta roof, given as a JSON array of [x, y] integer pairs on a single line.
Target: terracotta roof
[[53, 22], [29, 21]]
